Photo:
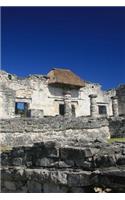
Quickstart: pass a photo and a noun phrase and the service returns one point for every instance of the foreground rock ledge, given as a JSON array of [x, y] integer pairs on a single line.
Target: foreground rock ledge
[[48, 167]]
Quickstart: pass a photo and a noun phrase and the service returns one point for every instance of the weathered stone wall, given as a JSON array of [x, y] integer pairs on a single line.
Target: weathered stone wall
[[117, 127], [48, 167], [103, 98], [32, 89], [7, 102], [36, 91], [15, 132], [26, 131], [120, 92]]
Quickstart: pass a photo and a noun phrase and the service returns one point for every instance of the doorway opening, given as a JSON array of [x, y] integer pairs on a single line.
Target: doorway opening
[[61, 109], [73, 110]]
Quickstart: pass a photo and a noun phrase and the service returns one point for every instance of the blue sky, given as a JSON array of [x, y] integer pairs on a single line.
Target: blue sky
[[88, 40]]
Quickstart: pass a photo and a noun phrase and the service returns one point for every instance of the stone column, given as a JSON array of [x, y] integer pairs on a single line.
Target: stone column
[[67, 104], [93, 106], [115, 106]]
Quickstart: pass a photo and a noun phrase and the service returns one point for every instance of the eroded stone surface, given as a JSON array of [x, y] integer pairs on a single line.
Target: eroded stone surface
[[78, 169]]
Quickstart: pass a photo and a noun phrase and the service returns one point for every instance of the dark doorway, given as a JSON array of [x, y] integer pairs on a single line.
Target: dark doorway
[[61, 109], [73, 110], [102, 110], [21, 108]]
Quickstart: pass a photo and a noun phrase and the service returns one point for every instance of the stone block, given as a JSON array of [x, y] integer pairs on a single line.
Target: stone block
[[123, 151], [94, 179], [40, 175], [62, 164], [70, 163], [84, 164], [71, 154], [58, 177], [6, 175], [34, 187], [5, 161], [28, 164], [73, 179], [121, 160], [18, 152], [19, 170], [44, 175], [53, 188], [17, 161], [47, 149], [76, 190], [23, 189], [105, 161], [79, 163], [36, 113], [87, 153], [9, 185], [85, 178], [51, 149], [44, 162]]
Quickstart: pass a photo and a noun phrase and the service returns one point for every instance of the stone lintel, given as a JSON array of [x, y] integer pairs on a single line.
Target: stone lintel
[[92, 95], [114, 97]]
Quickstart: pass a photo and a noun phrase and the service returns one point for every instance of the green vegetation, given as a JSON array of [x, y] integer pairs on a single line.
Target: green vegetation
[[116, 140]]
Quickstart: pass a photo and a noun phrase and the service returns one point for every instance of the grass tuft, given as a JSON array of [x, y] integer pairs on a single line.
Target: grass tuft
[[111, 140]]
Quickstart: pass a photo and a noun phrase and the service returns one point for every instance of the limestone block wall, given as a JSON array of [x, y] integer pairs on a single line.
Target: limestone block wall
[[36, 113], [117, 127], [56, 97], [3, 110], [15, 132], [120, 92], [103, 98], [48, 167], [7, 102], [32, 89], [36, 91]]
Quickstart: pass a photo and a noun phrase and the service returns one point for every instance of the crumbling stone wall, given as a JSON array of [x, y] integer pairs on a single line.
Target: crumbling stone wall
[[35, 90], [120, 92], [26, 131], [117, 127], [49, 167], [15, 132], [7, 102], [103, 98]]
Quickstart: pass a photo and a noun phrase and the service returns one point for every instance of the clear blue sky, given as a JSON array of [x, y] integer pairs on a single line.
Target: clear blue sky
[[88, 40]]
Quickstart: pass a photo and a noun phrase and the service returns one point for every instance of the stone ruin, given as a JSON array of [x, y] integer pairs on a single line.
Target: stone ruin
[[60, 92], [70, 122], [51, 168], [58, 106]]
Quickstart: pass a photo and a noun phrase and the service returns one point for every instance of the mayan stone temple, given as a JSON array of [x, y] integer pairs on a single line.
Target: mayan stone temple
[[60, 92], [57, 132]]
